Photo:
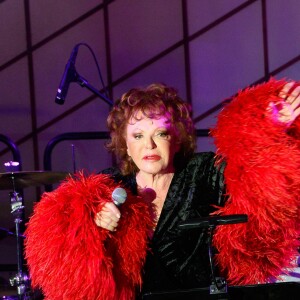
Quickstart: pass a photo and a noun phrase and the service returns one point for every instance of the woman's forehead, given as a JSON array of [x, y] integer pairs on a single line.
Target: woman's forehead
[[157, 118]]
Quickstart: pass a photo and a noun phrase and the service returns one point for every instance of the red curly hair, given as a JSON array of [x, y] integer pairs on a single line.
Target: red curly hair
[[154, 101]]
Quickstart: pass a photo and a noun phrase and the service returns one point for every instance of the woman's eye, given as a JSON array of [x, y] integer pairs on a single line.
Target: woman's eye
[[137, 136], [163, 134]]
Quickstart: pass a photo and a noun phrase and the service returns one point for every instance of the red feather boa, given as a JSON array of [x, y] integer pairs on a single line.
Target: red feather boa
[[69, 257], [263, 181]]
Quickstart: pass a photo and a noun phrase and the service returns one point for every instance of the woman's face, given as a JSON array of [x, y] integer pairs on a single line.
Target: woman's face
[[151, 143]]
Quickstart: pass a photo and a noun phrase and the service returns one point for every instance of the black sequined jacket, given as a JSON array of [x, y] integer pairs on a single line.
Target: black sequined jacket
[[179, 259]]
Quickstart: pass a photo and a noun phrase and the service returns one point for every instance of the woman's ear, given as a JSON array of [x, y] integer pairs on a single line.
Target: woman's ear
[[128, 152]]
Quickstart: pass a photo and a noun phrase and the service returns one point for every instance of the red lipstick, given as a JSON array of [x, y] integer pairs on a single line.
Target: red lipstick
[[151, 157]]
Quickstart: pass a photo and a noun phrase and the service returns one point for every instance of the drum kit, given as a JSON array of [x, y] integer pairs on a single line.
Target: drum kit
[[16, 181]]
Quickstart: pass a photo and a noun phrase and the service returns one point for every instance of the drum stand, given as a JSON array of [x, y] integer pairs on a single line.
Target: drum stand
[[20, 280], [15, 180]]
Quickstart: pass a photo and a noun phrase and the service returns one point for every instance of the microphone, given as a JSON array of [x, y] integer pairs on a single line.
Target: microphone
[[68, 77], [213, 221], [119, 196]]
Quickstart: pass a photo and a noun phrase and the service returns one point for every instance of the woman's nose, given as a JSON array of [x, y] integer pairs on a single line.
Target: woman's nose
[[149, 143]]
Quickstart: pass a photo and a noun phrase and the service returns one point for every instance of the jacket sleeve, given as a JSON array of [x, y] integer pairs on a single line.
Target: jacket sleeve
[[69, 257], [263, 181]]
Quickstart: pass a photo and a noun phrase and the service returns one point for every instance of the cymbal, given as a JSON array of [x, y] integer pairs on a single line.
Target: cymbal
[[23, 179]]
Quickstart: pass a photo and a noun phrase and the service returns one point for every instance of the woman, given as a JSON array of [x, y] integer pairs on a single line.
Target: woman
[[155, 139], [153, 136], [80, 245]]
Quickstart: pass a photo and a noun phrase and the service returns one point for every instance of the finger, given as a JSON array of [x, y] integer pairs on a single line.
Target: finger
[[106, 223], [297, 112], [111, 228], [109, 210], [288, 114], [107, 227], [284, 92], [296, 103], [293, 96], [287, 111], [111, 207], [107, 216]]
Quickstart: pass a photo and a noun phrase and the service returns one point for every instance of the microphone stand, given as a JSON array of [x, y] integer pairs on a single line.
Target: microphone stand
[[75, 77], [84, 83], [218, 285]]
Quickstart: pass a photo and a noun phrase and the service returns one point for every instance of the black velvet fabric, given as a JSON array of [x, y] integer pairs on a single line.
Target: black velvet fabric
[[179, 258]]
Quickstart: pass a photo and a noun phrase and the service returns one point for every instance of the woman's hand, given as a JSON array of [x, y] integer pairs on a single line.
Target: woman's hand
[[108, 217], [287, 109]]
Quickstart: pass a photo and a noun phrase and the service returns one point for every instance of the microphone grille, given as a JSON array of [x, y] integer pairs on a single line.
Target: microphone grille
[[119, 196]]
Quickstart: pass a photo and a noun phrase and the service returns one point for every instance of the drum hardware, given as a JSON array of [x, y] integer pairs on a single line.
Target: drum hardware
[[21, 279], [5, 232], [22, 179], [16, 180]]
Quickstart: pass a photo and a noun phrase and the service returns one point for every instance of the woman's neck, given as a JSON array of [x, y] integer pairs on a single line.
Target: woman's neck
[[154, 189], [155, 181]]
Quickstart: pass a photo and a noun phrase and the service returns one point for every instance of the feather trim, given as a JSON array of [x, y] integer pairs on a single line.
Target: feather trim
[[69, 257], [263, 181]]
